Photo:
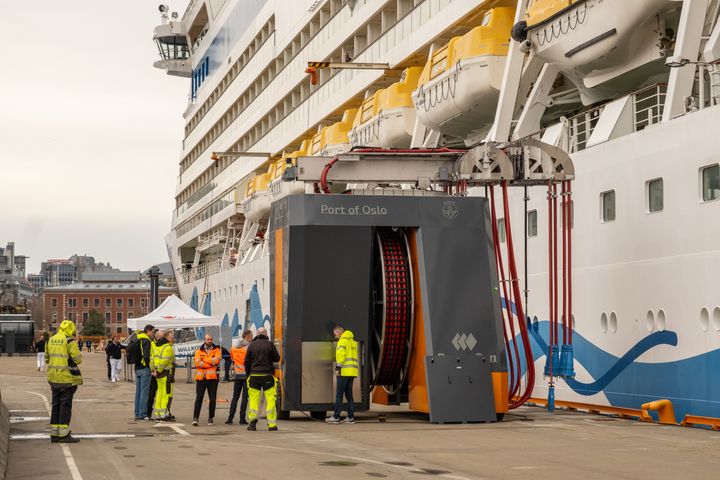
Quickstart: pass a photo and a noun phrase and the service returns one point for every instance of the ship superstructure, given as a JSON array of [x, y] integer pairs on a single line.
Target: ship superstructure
[[629, 89]]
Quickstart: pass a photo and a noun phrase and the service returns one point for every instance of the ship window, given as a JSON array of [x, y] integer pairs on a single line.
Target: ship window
[[608, 206], [710, 179], [501, 229], [532, 223], [655, 195]]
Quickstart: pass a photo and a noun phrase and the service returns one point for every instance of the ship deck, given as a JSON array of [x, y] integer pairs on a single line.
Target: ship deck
[[530, 443]]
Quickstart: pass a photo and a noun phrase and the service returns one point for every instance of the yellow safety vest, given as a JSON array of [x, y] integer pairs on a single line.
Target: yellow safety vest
[[63, 356], [153, 353], [346, 355], [164, 357]]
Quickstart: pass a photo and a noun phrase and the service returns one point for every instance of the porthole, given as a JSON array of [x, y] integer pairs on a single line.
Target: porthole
[[650, 321], [613, 322], [604, 323], [704, 319], [716, 319], [661, 322]]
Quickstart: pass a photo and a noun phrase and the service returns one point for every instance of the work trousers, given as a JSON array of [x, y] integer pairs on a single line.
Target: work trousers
[[239, 388], [115, 369], [228, 362], [200, 387], [151, 395], [344, 387], [109, 368], [41, 361], [62, 398], [162, 398], [142, 389], [256, 384]]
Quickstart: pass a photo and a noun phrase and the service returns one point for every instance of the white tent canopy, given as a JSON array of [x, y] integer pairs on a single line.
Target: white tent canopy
[[173, 313]]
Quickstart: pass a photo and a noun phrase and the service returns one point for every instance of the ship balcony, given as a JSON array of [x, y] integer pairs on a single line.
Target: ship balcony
[[174, 50]]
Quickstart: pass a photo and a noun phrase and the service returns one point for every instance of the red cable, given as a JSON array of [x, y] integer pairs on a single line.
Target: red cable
[[522, 321], [512, 359], [569, 260], [323, 176], [550, 274], [555, 265], [564, 262]]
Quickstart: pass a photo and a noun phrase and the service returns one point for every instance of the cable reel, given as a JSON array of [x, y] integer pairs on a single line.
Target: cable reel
[[391, 332]]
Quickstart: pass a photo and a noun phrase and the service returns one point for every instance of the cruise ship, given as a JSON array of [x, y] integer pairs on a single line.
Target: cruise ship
[[609, 287]]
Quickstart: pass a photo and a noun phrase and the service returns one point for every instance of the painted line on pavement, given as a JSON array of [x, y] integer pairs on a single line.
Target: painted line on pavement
[[72, 466], [19, 411], [14, 420], [45, 436]]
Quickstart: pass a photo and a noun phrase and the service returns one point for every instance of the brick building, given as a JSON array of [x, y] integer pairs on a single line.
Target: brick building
[[116, 296]]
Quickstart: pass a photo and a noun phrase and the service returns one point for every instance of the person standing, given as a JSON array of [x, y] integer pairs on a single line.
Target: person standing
[[107, 359], [154, 338], [63, 375], [347, 367], [142, 371], [237, 353], [207, 360], [227, 361], [260, 360], [114, 353], [88, 344], [40, 351], [163, 368], [80, 344]]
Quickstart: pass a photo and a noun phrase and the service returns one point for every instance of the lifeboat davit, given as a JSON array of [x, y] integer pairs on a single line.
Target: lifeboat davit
[[602, 37], [333, 139], [280, 188], [387, 118], [256, 204], [459, 87]]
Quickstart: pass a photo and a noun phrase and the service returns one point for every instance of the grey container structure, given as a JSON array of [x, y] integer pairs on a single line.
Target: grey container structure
[[414, 278]]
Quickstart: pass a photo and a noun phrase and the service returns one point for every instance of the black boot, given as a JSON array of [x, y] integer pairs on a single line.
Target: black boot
[[251, 426], [68, 439]]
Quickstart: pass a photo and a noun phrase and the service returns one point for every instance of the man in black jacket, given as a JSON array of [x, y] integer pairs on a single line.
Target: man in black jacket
[[142, 373], [260, 362]]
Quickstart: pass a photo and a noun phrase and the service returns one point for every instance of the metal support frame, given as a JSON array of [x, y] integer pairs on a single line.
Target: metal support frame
[[500, 131], [536, 104], [687, 46]]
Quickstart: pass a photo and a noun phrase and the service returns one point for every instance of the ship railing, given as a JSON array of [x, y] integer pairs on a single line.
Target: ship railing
[[648, 104], [203, 270], [647, 109]]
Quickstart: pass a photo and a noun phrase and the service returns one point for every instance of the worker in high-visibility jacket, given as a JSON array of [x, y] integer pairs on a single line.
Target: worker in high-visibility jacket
[[260, 360], [153, 381], [237, 354], [63, 356], [163, 370], [347, 366], [207, 360]]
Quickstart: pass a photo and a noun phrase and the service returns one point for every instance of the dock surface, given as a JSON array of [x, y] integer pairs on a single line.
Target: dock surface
[[530, 443]]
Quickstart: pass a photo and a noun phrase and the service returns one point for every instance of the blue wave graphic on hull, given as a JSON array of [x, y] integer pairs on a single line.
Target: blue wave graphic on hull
[[692, 384]]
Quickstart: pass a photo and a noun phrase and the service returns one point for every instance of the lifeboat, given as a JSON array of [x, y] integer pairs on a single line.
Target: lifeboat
[[256, 204], [459, 87], [603, 37], [280, 188], [387, 118], [333, 139]]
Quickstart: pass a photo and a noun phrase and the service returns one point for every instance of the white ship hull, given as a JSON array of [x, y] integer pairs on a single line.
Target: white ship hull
[[646, 287]]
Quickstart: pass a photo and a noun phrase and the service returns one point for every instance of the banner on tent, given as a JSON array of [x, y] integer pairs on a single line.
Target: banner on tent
[[186, 349]]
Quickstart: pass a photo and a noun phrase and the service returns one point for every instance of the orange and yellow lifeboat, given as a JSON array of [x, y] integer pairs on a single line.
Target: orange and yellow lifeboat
[[386, 119], [459, 87]]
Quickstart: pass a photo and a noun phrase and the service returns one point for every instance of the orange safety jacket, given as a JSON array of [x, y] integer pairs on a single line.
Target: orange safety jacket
[[238, 357], [206, 363]]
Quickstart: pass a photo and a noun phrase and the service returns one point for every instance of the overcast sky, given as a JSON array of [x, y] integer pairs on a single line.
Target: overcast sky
[[90, 132]]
